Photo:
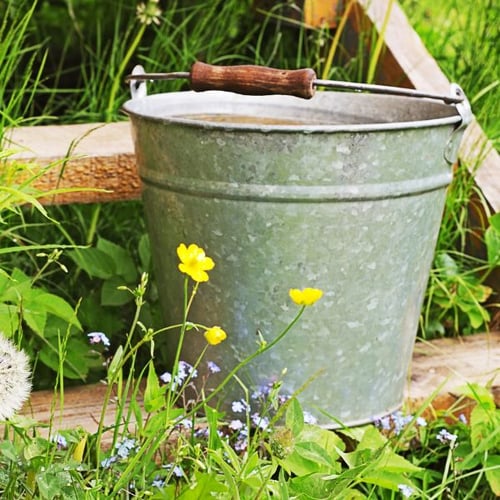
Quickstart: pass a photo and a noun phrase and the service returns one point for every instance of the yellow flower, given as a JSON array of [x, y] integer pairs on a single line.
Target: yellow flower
[[194, 262], [215, 335], [305, 297]]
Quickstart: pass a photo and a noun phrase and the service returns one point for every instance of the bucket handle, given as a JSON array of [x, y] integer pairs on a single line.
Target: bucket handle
[[262, 80], [465, 111]]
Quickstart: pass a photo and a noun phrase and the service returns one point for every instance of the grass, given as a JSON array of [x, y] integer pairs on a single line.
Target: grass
[[273, 450], [269, 448], [464, 39]]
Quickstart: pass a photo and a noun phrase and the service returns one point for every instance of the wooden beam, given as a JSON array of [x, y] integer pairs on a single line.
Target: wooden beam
[[94, 155], [408, 56], [447, 364], [102, 157]]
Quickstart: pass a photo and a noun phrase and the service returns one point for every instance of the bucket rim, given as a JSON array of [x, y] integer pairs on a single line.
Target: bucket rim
[[382, 126]]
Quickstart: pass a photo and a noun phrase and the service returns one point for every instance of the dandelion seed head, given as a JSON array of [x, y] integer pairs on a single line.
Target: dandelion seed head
[[15, 383]]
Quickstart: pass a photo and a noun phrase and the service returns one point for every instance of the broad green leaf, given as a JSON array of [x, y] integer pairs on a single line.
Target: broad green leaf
[[492, 241], [9, 319], [112, 296], [75, 362], [35, 318], [494, 221], [36, 447], [492, 466], [213, 416], [294, 419], [478, 393], [124, 264], [203, 485], [14, 288], [392, 462], [95, 262], [53, 304], [372, 439], [311, 487], [385, 479], [8, 450]]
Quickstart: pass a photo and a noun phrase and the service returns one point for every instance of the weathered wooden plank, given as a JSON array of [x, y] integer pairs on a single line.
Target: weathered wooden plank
[[102, 155], [92, 155], [445, 364], [406, 55]]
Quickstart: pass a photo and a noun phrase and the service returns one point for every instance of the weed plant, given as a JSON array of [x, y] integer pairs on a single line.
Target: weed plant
[[269, 447], [101, 42]]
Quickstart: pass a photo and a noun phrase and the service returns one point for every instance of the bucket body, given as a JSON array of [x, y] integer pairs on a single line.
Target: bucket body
[[344, 192]]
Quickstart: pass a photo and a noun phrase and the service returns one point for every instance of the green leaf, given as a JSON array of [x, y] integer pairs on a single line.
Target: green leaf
[[311, 487], [111, 296], [492, 241], [385, 479], [154, 394], [478, 393], [14, 288], [202, 486], [36, 447], [294, 419], [95, 262], [492, 466], [35, 318], [494, 221], [144, 250], [124, 264], [372, 439], [9, 319], [115, 364], [8, 450], [53, 304]]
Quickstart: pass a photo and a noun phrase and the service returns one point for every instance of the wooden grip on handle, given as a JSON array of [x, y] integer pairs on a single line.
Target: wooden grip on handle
[[253, 80]]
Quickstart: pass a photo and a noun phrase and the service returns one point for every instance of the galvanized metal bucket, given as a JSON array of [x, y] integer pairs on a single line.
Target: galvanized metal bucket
[[343, 192]]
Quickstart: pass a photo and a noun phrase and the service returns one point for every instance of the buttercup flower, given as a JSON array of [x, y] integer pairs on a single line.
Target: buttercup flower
[[194, 262], [305, 297], [15, 385], [215, 335]]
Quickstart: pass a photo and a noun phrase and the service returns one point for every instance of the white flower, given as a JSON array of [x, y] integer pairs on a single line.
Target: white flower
[[406, 491], [15, 383], [446, 437]]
